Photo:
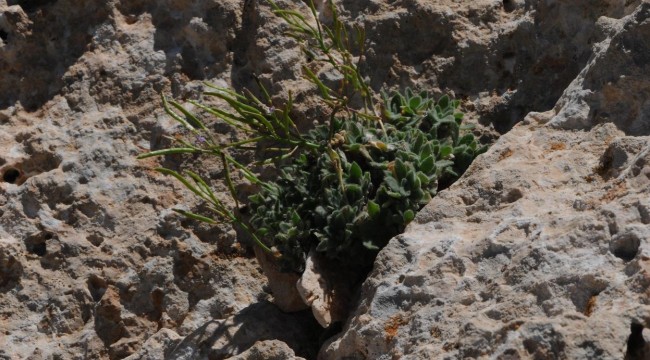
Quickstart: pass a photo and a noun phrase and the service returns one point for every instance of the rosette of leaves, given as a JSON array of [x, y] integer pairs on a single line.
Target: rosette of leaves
[[343, 188], [348, 201]]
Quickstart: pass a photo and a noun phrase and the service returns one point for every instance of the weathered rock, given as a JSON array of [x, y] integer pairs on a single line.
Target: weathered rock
[[250, 334], [327, 291], [282, 284], [506, 57], [267, 350], [93, 262], [158, 346], [540, 250]]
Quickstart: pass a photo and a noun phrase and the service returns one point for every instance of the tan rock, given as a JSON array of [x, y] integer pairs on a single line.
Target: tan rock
[[539, 251], [325, 291], [93, 262]]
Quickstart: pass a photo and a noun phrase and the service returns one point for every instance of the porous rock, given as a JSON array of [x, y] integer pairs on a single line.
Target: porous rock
[[93, 262], [326, 289], [267, 350], [256, 332], [92, 259], [541, 249]]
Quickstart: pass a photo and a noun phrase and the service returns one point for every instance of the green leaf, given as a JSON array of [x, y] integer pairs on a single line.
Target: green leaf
[[354, 191], [325, 91], [400, 169], [424, 179], [466, 139], [355, 171], [451, 172], [428, 165], [203, 186], [417, 144], [183, 180], [468, 126], [228, 178], [444, 102], [392, 183], [322, 246], [445, 151], [173, 114], [427, 150], [409, 215], [415, 102], [373, 208], [284, 227], [255, 198], [295, 218], [353, 147], [168, 152], [395, 195], [189, 117], [194, 216]]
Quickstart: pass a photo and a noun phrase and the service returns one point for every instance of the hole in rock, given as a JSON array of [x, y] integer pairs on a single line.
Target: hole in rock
[[95, 239], [36, 243], [30, 5], [644, 213], [508, 5], [513, 195], [636, 344], [10, 271], [625, 245], [39, 249], [97, 287], [11, 175], [3, 35], [157, 297]]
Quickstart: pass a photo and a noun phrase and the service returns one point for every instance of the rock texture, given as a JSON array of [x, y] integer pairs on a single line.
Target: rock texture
[[541, 250], [259, 331], [92, 260], [94, 264]]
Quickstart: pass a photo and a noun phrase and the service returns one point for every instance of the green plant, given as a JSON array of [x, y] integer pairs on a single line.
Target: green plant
[[348, 185]]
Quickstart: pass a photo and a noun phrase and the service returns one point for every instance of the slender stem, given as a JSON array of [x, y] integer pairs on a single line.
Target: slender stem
[[250, 232]]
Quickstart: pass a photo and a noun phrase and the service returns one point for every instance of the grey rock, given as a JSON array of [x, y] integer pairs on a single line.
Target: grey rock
[[158, 346], [539, 250], [260, 331], [268, 350], [94, 264]]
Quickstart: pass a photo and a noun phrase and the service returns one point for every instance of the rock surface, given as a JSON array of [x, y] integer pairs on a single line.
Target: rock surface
[[256, 332], [542, 249], [94, 264]]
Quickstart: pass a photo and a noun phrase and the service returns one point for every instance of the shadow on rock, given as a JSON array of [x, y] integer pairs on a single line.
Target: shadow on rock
[[220, 339], [42, 39]]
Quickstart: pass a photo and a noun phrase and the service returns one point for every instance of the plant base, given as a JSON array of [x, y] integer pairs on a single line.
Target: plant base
[[282, 284]]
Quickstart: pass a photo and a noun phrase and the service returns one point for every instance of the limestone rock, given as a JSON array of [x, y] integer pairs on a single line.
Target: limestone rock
[[540, 250], [158, 346], [93, 261], [282, 284], [327, 291], [260, 331], [268, 350]]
